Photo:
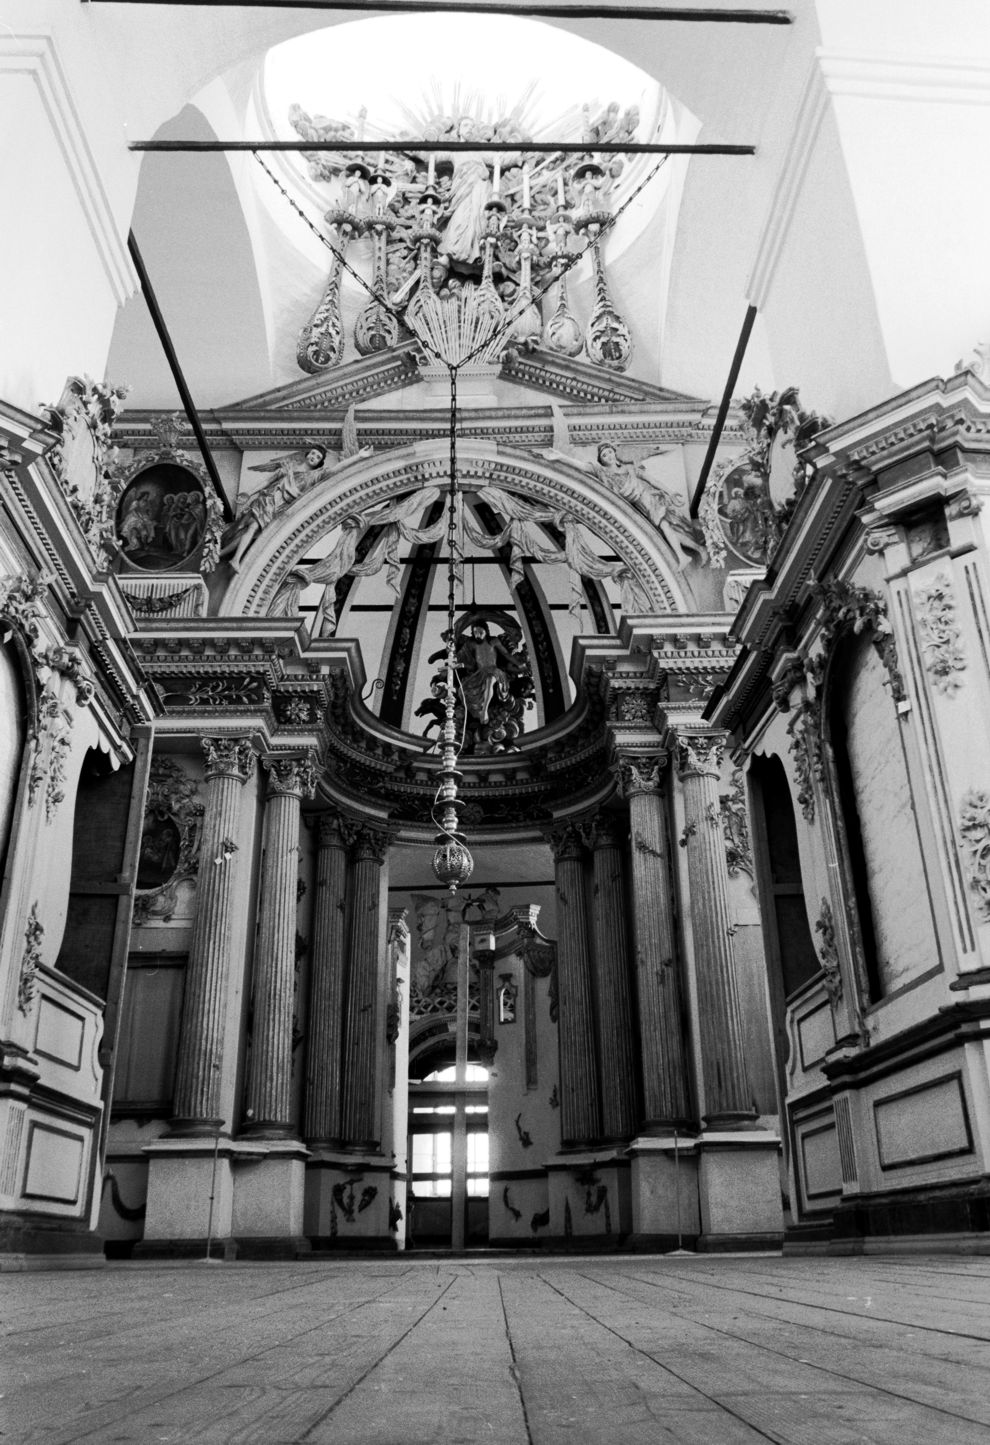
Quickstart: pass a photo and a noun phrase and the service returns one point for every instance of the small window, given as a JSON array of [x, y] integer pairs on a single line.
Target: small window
[[473, 1074]]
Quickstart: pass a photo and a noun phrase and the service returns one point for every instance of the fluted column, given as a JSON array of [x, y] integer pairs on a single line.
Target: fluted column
[[613, 994], [728, 1097], [269, 1091], [580, 1114], [663, 1057], [325, 1021], [229, 764], [363, 1030]]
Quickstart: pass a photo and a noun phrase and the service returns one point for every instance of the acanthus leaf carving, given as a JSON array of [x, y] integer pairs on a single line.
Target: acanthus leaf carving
[[292, 775], [641, 774], [941, 636], [83, 458], [234, 757]]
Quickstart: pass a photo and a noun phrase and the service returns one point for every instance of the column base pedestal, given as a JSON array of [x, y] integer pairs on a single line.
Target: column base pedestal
[[664, 1183], [349, 1202], [182, 1174], [588, 1197], [267, 1216], [257, 1190], [739, 1190]]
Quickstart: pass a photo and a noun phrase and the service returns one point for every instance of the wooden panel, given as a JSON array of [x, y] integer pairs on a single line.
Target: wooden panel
[[60, 1033], [816, 1033], [54, 1163], [820, 1169], [921, 1124], [149, 1035]]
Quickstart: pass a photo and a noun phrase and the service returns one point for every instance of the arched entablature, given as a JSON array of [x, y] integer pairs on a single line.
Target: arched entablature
[[292, 535]]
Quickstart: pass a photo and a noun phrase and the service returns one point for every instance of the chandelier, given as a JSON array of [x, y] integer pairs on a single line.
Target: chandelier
[[452, 861]]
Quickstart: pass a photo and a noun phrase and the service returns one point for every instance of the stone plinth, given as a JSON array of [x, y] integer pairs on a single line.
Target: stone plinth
[[664, 1188], [589, 1200], [268, 1187], [349, 1202], [739, 1190], [180, 1180]]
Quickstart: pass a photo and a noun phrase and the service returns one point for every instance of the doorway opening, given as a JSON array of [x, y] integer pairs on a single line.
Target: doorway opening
[[448, 1158]]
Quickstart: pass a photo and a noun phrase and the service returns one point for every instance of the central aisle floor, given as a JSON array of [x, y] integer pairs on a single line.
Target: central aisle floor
[[704, 1350]]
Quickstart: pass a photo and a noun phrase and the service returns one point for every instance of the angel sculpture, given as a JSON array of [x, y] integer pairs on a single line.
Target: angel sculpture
[[396, 521], [291, 475], [631, 481]]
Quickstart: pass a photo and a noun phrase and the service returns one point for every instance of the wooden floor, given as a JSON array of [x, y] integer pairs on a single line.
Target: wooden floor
[[698, 1349]]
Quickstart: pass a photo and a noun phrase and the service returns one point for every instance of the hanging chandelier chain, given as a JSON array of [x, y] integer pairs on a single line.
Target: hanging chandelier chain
[[506, 326]]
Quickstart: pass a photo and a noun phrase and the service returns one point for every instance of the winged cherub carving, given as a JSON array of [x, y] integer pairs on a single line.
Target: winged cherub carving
[[290, 476]]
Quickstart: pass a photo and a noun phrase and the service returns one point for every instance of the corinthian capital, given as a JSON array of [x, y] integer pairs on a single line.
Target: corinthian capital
[[565, 841], [640, 773], [701, 754], [371, 843], [605, 830], [229, 757], [291, 776]]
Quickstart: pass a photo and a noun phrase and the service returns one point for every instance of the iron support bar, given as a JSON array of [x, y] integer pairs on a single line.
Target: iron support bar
[[603, 10], [723, 408], [401, 147], [151, 301]]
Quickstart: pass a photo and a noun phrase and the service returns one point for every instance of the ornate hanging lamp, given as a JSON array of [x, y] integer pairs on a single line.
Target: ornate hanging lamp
[[452, 861]]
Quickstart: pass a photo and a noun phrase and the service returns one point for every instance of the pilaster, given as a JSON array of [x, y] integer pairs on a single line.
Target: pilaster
[[663, 1055], [613, 994], [727, 1097], [269, 1091], [580, 1110], [325, 1019], [229, 764], [361, 1125]]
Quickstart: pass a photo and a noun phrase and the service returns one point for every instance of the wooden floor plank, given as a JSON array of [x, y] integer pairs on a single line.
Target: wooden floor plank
[[512, 1351]]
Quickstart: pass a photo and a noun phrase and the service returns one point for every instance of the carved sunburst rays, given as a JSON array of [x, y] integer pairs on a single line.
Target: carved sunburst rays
[[468, 324]]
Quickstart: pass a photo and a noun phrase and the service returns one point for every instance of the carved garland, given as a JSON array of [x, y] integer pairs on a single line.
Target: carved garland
[[30, 960], [829, 953], [20, 605], [974, 826], [735, 827], [941, 637], [95, 406]]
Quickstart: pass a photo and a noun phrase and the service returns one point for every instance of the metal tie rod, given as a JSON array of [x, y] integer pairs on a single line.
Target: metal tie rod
[[603, 10], [608, 148]]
